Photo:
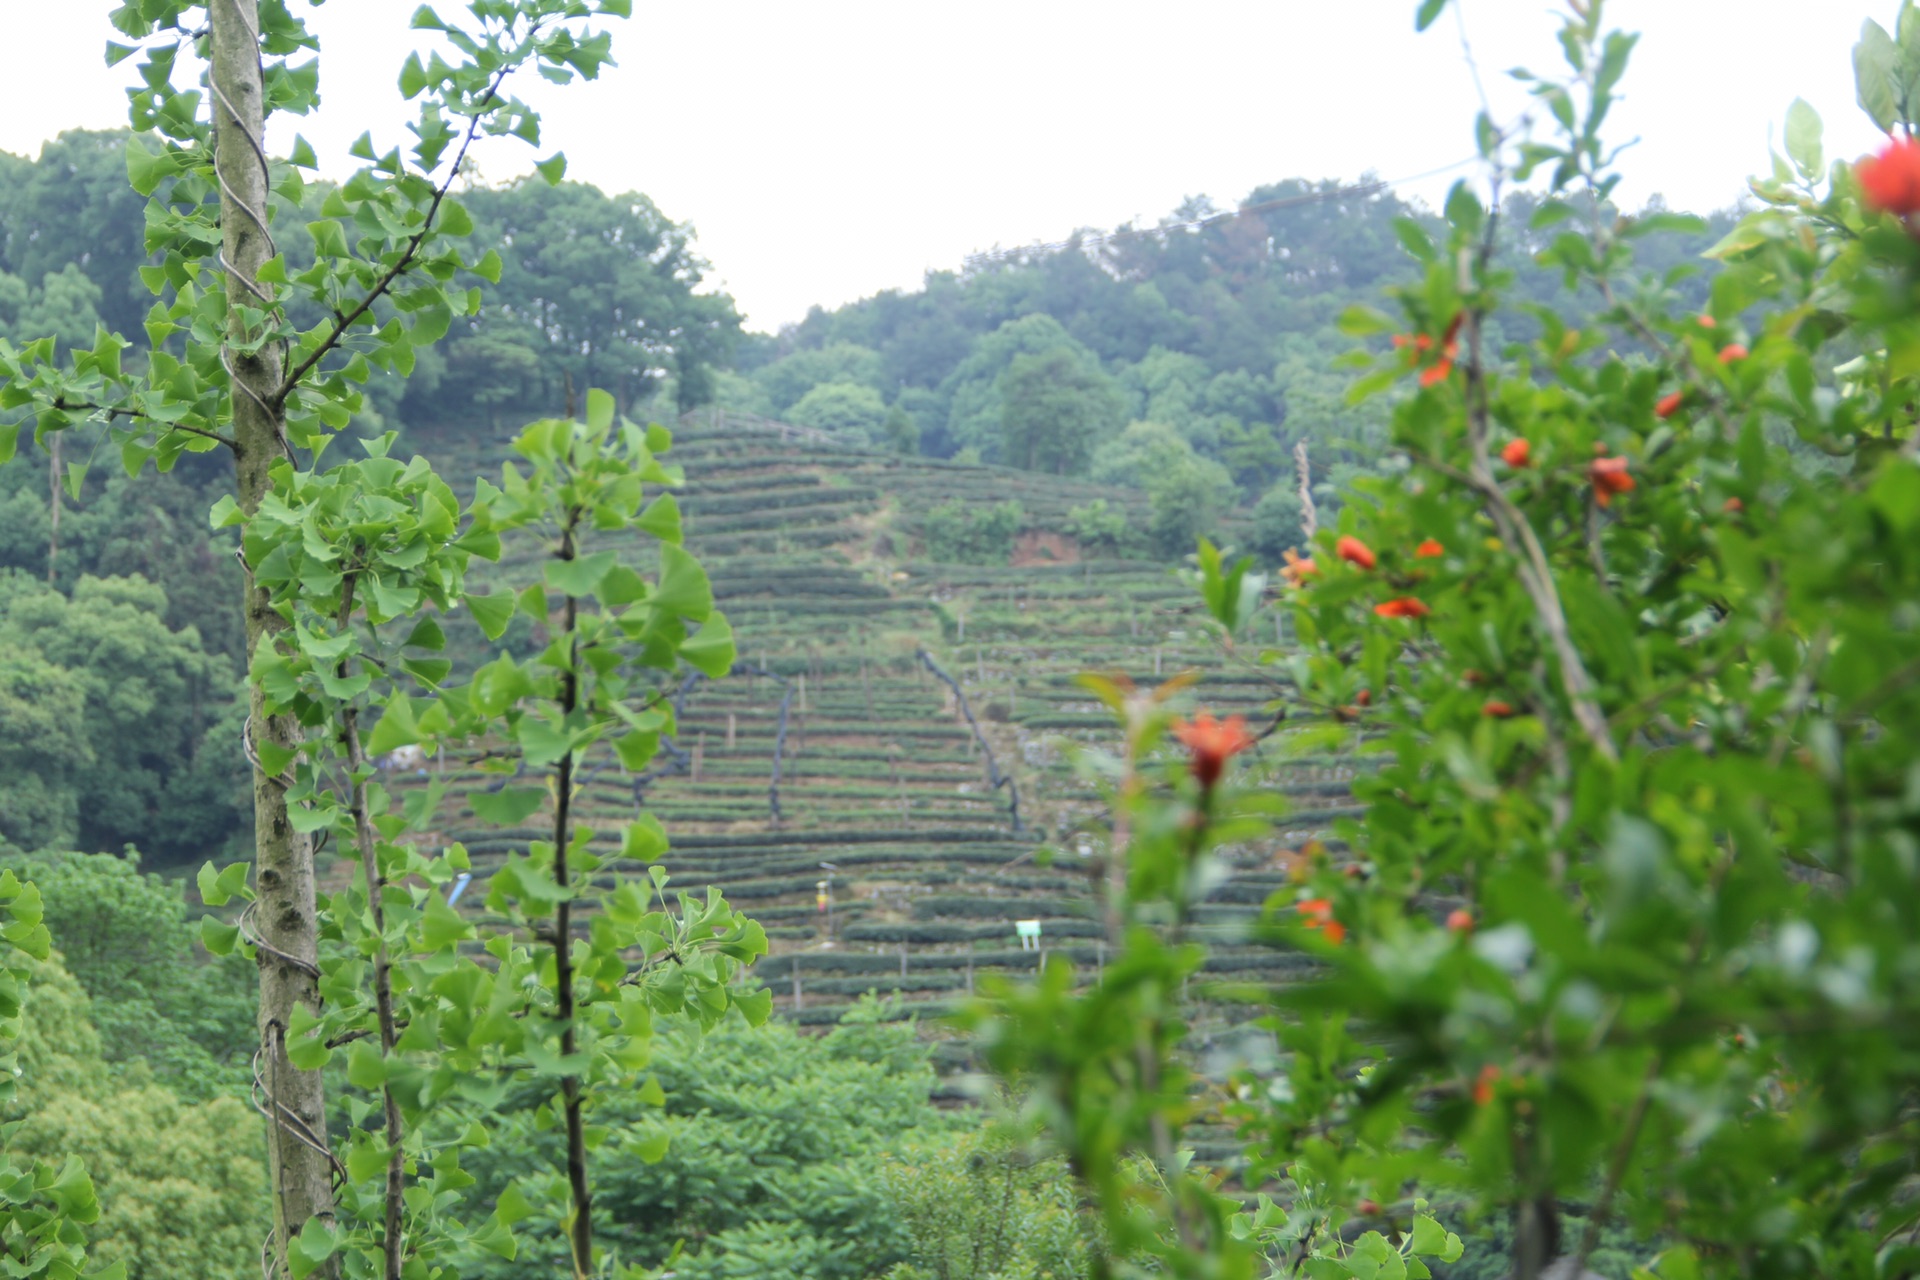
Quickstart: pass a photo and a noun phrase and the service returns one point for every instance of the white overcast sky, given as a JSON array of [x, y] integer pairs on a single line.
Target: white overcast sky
[[827, 149]]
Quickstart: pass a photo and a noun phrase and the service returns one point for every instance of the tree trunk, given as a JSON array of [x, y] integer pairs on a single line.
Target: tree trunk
[[53, 505], [580, 1223], [299, 1160]]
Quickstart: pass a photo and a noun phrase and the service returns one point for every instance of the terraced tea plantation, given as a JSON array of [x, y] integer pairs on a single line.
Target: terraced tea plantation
[[876, 780]]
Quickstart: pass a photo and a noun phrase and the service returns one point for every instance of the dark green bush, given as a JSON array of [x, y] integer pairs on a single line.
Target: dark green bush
[[961, 532]]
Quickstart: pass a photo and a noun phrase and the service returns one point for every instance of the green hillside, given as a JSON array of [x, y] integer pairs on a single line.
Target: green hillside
[[839, 751]]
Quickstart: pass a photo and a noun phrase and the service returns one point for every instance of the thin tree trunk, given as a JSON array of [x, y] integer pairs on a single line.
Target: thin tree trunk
[[580, 1229], [299, 1160], [53, 504], [394, 1241], [1309, 516]]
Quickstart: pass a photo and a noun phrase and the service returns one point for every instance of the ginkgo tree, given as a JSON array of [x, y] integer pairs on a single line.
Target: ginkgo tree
[[434, 1016], [267, 324]]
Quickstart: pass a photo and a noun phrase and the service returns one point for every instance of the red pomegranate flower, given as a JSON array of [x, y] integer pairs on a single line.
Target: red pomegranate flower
[[1317, 913], [1891, 180], [1298, 569], [1708, 322], [1609, 476], [1429, 550], [1353, 550], [1669, 404], [1460, 920], [1420, 345], [1497, 709], [1483, 1086], [1731, 352], [1403, 607], [1210, 742], [1518, 453]]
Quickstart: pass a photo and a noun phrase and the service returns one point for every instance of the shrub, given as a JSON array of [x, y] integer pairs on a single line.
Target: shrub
[[1187, 501], [772, 1161], [980, 1208], [1102, 529], [900, 432], [843, 408], [960, 532], [1277, 522]]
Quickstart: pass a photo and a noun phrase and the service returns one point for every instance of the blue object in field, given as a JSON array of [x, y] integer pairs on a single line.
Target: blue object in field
[[459, 887]]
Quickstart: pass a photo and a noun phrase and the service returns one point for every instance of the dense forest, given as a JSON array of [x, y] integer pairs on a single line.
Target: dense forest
[[1188, 359]]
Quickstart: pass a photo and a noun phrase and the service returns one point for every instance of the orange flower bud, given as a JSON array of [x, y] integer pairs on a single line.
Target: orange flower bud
[[1317, 913], [1518, 453], [1428, 550], [1707, 322], [1733, 506], [1890, 181], [1368, 1208], [1404, 607], [1609, 476], [1731, 352], [1668, 404], [1497, 709], [1298, 569], [1354, 551], [1460, 920], [1483, 1086]]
